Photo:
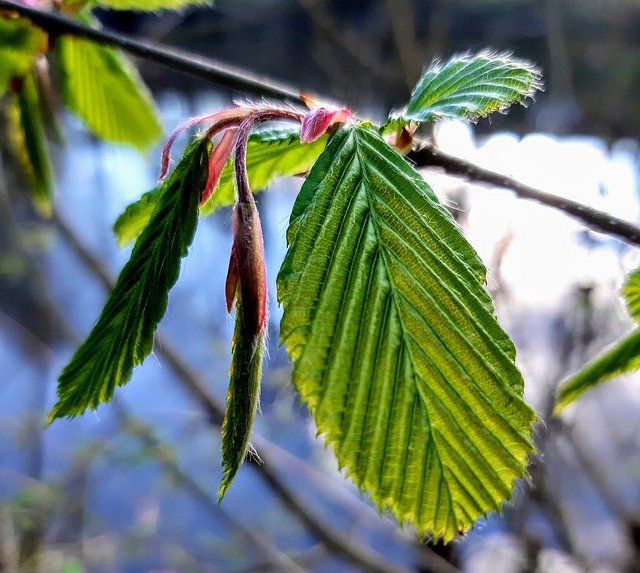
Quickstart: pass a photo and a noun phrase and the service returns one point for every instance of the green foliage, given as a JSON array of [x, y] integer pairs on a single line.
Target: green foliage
[[20, 42], [105, 91], [395, 345], [621, 357], [123, 335], [27, 139], [271, 153], [140, 5], [242, 398], [470, 86]]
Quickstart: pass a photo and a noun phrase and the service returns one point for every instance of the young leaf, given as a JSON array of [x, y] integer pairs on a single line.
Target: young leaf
[[105, 91], [621, 357], [271, 152], [20, 42], [470, 86], [123, 335], [28, 141], [395, 345], [141, 5]]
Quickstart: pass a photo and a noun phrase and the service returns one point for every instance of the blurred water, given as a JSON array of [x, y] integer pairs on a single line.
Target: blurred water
[[135, 520]]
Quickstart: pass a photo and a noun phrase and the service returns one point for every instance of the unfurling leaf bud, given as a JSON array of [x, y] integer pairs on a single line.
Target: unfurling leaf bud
[[318, 121]]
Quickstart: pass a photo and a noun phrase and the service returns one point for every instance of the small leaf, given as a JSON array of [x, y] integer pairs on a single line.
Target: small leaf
[[631, 292], [105, 91], [20, 43], [28, 142], [621, 357], [470, 86], [271, 152], [140, 5], [123, 335], [395, 344]]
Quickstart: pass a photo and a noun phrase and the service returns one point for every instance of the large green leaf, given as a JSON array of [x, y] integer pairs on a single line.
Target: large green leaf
[[470, 86], [20, 42], [395, 345], [105, 91], [123, 335], [270, 153], [28, 142], [621, 357]]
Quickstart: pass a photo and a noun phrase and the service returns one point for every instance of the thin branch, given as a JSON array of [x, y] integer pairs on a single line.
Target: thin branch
[[430, 156], [339, 541], [231, 77]]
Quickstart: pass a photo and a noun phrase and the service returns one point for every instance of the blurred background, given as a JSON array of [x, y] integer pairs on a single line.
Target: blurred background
[[132, 486]]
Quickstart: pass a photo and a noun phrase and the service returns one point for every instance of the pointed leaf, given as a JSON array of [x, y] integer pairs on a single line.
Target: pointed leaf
[[123, 335], [106, 92], [271, 152], [621, 357], [470, 86], [395, 345], [28, 142]]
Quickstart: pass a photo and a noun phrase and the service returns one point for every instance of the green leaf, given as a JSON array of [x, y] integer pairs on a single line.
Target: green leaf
[[631, 292], [621, 357], [242, 399], [270, 153], [139, 5], [395, 345], [105, 91], [20, 42], [470, 86], [123, 335], [28, 142]]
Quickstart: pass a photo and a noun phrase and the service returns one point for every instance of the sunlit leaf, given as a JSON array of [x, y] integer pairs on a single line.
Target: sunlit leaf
[[395, 345], [470, 86], [28, 142], [20, 42], [123, 335], [105, 91], [621, 357], [140, 5], [271, 153]]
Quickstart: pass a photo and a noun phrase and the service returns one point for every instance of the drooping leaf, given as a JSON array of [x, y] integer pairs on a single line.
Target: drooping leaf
[[395, 345], [470, 86], [20, 42], [270, 153], [621, 357], [106, 92], [631, 292], [242, 398], [123, 335], [28, 142]]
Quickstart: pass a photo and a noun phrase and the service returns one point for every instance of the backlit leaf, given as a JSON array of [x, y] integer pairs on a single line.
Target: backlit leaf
[[395, 345], [20, 42], [470, 86], [123, 335], [140, 5], [105, 91], [271, 153], [631, 292]]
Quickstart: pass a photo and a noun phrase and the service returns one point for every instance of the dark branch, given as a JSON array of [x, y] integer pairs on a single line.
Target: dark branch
[[430, 156], [213, 71]]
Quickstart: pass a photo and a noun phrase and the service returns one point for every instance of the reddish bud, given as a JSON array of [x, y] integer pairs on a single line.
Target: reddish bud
[[318, 121], [247, 269], [217, 160]]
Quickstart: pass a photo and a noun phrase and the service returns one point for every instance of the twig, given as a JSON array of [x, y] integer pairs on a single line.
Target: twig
[[339, 541], [208, 69], [429, 156], [239, 79]]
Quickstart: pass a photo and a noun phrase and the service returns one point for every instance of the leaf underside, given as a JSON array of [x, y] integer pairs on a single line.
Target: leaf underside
[[106, 93], [621, 357], [123, 335], [470, 86], [271, 153], [395, 345]]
